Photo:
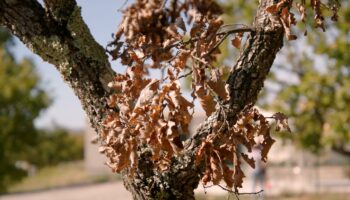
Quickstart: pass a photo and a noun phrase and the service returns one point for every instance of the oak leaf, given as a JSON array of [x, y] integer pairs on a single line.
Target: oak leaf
[[281, 121], [205, 99], [215, 83]]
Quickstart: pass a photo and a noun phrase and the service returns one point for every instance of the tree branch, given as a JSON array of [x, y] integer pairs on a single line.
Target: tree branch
[[60, 10], [245, 82], [60, 36]]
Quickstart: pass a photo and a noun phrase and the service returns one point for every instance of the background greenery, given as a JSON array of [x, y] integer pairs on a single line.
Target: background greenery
[[22, 145], [310, 80]]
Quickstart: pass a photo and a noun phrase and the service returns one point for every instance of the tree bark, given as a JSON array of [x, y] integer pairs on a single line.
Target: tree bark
[[246, 80], [59, 35]]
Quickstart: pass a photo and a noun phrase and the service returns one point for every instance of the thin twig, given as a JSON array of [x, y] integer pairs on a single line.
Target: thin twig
[[232, 27], [184, 75], [202, 61], [163, 4], [217, 44], [180, 77], [233, 192], [237, 197], [228, 32], [122, 6]]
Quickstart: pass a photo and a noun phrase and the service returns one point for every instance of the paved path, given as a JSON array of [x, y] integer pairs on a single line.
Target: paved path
[[104, 191], [281, 180]]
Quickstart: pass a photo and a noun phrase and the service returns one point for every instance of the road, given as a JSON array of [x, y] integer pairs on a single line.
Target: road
[[281, 180], [103, 191]]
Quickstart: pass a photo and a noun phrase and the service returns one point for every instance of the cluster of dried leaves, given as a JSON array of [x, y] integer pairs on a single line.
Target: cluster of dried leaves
[[178, 39], [252, 129], [284, 9], [153, 112], [143, 120]]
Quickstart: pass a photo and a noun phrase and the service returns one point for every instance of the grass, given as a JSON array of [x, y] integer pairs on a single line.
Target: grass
[[67, 174], [321, 196]]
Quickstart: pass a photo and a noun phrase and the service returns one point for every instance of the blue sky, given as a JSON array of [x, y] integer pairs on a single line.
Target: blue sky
[[65, 111]]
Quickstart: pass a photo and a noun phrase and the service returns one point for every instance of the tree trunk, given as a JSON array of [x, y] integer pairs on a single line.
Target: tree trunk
[[59, 35], [246, 80]]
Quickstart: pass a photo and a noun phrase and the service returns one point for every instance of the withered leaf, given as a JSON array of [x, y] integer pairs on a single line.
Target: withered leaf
[[174, 136], [148, 93], [180, 61], [196, 29], [266, 146], [178, 100], [216, 84], [292, 37], [228, 175], [201, 151], [103, 149], [272, 9], [206, 100], [238, 177], [236, 41], [250, 161], [179, 22], [215, 165], [207, 176], [281, 121]]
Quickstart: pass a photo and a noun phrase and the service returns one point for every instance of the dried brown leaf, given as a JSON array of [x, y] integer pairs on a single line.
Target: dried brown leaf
[[148, 93], [201, 152], [206, 100], [266, 146], [179, 22], [281, 121], [228, 175], [216, 84], [238, 177], [250, 161], [272, 9], [215, 165], [236, 41], [207, 176]]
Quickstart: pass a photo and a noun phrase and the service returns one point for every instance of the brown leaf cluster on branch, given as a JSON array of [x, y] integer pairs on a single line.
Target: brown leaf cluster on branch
[[177, 39], [284, 9], [250, 130], [153, 112], [142, 119]]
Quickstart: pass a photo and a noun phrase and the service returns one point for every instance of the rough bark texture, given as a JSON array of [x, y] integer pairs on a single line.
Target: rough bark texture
[[59, 35]]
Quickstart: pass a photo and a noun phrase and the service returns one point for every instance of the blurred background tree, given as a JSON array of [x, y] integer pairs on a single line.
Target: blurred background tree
[[317, 99], [310, 82], [56, 146], [21, 101]]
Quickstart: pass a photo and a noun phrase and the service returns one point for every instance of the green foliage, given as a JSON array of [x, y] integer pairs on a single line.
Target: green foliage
[[21, 101], [56, 146], [317, 103]]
